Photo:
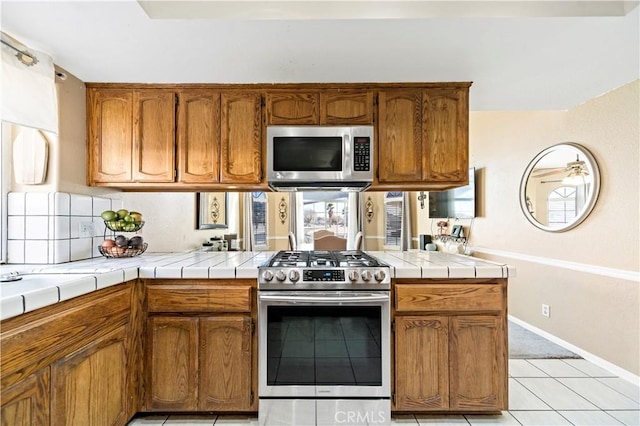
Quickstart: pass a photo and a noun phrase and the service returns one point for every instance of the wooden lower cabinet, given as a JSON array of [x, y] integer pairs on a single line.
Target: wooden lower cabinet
[[26, 403], [477, 356], [89, 386], [450, 346], [200, 363], [422, 355]]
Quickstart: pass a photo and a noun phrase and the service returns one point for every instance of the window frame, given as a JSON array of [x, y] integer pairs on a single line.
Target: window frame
[[256, 199], [395, 198]]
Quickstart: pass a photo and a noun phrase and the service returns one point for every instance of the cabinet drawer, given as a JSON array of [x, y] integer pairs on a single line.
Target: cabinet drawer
[[198, 298], [449, 297]]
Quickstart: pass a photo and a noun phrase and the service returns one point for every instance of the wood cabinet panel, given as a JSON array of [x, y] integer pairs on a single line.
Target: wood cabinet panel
[[154, 136], [110, 135], [172, 363], [445, 135], [421, 366], [292, 108], [448, 297], [198, 298], [60, 327], [199, 136], [27, 402], [399, 136], [225, 363], [478, 357], [89, 387], [241, 138], [346, 107]]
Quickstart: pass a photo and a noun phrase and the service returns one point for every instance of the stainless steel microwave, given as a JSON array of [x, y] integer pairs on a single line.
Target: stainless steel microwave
[[319, 157]]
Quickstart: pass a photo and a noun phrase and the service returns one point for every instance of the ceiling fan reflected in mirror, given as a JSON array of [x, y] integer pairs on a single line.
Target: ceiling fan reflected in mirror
[[576, 172]]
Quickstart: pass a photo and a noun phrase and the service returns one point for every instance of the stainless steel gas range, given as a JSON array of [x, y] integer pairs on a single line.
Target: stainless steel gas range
[[324, 339]]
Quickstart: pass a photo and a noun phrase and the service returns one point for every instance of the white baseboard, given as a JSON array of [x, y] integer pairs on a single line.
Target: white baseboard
[[620, 372]]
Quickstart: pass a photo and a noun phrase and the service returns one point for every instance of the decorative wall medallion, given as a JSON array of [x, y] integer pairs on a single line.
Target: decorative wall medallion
[[282, 210], [421, 198], [368, 209], [215, 210]]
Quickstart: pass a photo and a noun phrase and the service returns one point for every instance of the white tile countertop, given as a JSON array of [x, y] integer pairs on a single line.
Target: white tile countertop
[[43, 285]]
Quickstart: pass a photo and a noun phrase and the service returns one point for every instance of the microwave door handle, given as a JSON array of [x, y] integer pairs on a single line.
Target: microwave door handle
[[295, 299]]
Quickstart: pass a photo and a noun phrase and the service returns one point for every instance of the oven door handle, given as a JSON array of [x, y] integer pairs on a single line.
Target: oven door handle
[[297, 299]]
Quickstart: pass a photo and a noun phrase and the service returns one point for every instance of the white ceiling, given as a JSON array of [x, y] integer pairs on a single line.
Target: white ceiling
[[539, 55]]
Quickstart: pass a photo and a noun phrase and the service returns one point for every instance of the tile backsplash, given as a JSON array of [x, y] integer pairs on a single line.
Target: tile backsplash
[[55, 227]]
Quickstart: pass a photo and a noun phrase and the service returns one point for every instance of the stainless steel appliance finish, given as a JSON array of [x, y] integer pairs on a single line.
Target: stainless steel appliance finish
[[313, 270], [319, 157], [324, 339]]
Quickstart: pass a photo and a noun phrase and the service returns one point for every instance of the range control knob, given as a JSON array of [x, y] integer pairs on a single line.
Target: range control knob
[[366, 275], [294, 275], [379, 275], [280, 275], [267, 275], [353, 275]]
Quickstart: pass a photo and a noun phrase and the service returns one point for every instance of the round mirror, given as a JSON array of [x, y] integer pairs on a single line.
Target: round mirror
[[560, 187]]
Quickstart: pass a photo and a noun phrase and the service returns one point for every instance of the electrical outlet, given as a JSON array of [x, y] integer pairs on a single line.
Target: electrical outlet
[[86, 229], [546, 310]]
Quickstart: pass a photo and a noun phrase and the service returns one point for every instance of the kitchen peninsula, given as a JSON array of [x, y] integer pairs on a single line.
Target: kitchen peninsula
[[116, 330]]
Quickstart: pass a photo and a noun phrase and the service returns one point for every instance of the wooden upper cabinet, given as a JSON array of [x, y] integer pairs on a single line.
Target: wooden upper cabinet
[[292, 108], [446, 135], [400, 136], [423, 136], [241, 138], [154, 136], [346, 107], [199, 136], [110, 135]]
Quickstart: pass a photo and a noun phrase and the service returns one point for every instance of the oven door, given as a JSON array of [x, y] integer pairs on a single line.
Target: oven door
[[324, 344]]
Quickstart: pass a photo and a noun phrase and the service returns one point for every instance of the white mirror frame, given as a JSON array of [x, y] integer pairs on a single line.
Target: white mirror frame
[[589, 204]]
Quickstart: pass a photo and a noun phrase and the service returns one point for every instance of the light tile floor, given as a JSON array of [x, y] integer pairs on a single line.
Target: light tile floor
[[541, 392]]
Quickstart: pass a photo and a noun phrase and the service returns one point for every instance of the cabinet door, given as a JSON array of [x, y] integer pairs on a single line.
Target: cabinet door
[[89, 387], [421, 353], [154, 136], [26, 403], [478, 359], [110, 135], [199, 137], [292, 108], [445, 135], [348, 108], [241, 138], [225, 364], [400, 136], [172, 362]]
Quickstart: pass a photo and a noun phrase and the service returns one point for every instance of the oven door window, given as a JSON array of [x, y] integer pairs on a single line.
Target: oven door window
[[324, 346], [307, 154]]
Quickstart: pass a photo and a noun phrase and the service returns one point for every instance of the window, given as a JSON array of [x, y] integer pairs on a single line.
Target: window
[[325, 210], [392, 219], [259, 219], [561, 206], [4, 190]]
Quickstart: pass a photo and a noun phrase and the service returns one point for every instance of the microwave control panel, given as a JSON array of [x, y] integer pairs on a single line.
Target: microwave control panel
[[361, 154]]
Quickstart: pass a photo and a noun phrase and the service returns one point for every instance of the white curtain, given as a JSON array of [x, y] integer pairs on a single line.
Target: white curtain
[[247, 221], [405, 232], [29, 95], [296, 220], [352, 220]]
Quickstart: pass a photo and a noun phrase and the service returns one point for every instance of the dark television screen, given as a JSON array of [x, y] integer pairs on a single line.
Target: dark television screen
[[457, 203]]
